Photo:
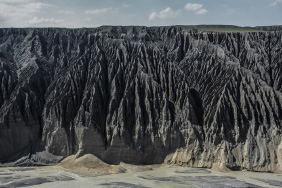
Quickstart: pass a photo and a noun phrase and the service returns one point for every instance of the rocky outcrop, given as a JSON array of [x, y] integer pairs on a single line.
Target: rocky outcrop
[[144, 95]]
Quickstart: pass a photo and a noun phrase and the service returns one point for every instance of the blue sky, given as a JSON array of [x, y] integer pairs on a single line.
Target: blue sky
[[94, 13]]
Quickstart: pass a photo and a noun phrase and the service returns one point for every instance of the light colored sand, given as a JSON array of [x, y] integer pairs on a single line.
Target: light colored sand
[[149, 176], [89, 165]]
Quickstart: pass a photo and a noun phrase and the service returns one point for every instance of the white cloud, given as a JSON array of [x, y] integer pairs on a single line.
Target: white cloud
[[98, 11], [153, 16], [66, 12], [166, 13], [40, 21], [14, 1], [23, 9], [14, 13], [196, 8], [36, 6], [275, 3], [193, 7], [201, 11]]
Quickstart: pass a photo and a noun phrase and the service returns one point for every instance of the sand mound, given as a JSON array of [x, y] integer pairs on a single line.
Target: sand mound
[[220, 167], [90, 165]]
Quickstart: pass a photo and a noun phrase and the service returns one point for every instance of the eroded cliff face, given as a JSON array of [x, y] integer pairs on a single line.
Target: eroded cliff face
[[144, 95]]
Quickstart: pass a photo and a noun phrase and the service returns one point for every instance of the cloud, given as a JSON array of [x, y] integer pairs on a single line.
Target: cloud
[[98, 11], [166, 13], [201, 11], [6, 9], [36, 6], [14, 1], [66, 12], [40, 21], [275, 3], [196, 8], [14, 13], [193, 7]]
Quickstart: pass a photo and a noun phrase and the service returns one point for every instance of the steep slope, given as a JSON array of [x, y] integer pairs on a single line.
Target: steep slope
[[143, 95]]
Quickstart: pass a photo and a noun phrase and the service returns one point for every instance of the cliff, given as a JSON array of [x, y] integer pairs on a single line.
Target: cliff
[[142, 95]]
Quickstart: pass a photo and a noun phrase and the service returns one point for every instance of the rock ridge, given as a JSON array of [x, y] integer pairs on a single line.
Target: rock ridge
[[143, 95]]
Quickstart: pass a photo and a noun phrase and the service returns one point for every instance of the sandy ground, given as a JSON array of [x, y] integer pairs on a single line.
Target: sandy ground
[[130, 176], [89, 165]]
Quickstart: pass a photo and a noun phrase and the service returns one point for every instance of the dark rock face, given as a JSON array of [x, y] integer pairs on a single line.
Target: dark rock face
[[144, 95]]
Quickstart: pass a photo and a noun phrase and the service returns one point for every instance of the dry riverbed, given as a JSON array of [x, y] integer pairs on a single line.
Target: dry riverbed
[[132, 176]]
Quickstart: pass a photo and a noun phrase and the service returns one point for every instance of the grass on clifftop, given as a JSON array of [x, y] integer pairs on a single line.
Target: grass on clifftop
[[219, 28], [204, 28]]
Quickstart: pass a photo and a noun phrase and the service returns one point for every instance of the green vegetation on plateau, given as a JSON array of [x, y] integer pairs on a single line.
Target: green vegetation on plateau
[[203, 28], [220, 28]]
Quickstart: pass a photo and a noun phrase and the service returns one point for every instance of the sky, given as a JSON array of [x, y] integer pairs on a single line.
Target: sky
[[94, 13]]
